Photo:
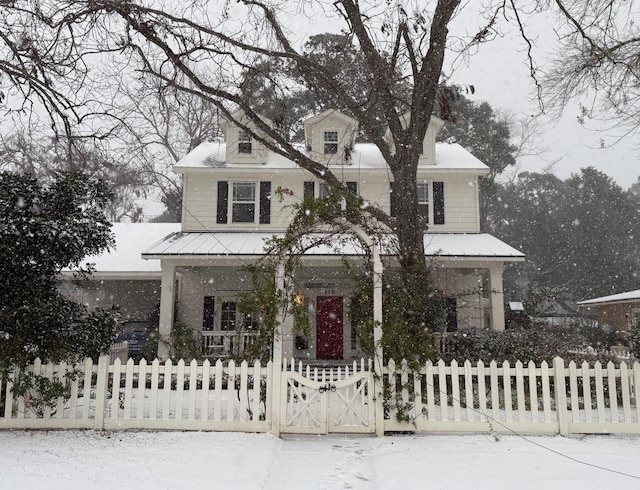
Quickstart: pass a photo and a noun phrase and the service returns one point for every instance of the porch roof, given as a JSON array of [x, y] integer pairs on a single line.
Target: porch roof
[[217, 244], [123, 260], [629, 296]]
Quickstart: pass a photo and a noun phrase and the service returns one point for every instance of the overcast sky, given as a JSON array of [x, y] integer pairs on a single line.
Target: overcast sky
[[500, 74]]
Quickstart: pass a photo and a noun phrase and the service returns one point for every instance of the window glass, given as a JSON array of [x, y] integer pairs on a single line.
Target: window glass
[[244, 142], [423, 200], [323, 190], [331, 142], [243, 208], [228, 315]]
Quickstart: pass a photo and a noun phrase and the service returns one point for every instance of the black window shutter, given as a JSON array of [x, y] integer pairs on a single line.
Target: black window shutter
[[309, 189], [265, 203], [208, 313], [223, 201], [438, 203], [392, 199], [353, 188]]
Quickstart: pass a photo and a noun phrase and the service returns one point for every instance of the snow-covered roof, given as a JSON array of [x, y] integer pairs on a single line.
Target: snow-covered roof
[[211, 244], [211, 154], [131, 239], [613, 298]]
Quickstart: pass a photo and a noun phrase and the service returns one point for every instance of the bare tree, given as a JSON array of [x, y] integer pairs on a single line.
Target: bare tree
[[44, 155], [597, 61], [202, 47], [161, 125]]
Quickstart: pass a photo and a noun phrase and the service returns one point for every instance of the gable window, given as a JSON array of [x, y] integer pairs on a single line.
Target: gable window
[[244, 142], [330, 142], [423, 200], [243, 206]]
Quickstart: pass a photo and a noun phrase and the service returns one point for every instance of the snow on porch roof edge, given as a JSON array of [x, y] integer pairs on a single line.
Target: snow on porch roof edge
[[219, 244]]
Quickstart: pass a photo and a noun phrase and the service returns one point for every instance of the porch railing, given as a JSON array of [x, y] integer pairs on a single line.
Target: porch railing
[[218, 344]]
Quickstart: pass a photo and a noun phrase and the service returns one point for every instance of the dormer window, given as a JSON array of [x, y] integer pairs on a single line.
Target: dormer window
[[330, 142], [244, 142]]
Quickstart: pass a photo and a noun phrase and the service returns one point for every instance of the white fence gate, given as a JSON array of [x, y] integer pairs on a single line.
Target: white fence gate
[[327, 400]]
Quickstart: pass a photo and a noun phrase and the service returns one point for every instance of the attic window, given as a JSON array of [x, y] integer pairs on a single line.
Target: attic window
[[330, 142], [244, 142]]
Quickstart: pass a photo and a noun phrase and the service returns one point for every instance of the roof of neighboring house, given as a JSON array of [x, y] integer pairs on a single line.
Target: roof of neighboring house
[[444, 245], [629, 296], [131, 239], [211, 154]]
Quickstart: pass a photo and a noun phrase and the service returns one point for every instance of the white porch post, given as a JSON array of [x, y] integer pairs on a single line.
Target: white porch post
[[377, 339], [497, 297], [167, 307], [277, 355], [377, 328]]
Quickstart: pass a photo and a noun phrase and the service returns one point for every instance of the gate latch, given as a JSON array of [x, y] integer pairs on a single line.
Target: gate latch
[[327, 387]]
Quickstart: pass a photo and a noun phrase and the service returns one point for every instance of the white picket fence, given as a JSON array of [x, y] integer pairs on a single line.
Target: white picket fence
[[150, 396], [501, 398], [523, 399]]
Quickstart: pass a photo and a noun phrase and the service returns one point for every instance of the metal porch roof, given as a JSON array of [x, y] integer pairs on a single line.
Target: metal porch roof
[[208, 244]]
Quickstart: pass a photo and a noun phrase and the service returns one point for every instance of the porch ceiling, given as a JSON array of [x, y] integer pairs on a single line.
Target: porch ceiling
[[200, 245]]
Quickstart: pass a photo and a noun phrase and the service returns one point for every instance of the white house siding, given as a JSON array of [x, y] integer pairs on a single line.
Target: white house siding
[[460, 203], [201, 195], [199, 201]]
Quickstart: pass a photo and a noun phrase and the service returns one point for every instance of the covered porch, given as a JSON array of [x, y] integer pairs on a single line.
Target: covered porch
[[203, 277]]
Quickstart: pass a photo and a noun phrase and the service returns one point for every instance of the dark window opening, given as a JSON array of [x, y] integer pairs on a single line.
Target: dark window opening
[[208, 316]]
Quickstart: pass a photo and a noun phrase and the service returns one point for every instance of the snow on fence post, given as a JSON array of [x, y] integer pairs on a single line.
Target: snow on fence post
[[561, 396], [101, 391]]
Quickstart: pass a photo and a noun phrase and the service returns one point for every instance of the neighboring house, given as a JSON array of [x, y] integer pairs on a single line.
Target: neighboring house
[[619, 311], [122, 278], [229, 211]]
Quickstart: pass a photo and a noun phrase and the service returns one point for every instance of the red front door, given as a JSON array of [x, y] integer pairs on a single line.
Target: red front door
[[329, 327]]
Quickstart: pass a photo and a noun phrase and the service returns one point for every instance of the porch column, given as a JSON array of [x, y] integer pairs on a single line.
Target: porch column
[[167, 306], [497, 297], [276, 360], [377, 339]]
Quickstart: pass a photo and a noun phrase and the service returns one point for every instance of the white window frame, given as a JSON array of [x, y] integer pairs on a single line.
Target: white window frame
[[326, 141], [222, 301], [233, 201], [429, 199], [244, 138]]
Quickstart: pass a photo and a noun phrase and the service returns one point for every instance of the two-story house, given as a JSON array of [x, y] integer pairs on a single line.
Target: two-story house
[[229, 211]]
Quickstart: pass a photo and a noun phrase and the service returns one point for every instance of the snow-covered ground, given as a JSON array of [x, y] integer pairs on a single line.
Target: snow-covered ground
[[175, 460]]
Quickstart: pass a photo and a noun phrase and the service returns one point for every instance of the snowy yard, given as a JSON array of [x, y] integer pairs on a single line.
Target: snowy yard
[[174, 460]]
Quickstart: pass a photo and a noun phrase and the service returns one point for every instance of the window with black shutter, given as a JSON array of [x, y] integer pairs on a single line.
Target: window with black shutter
[[223, 201], [265, 203], [208, 315], [438, 203]]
